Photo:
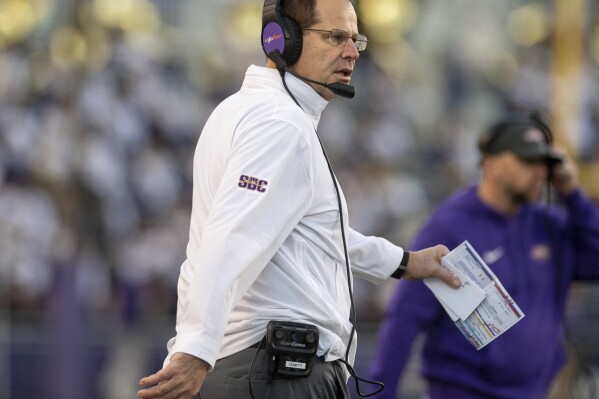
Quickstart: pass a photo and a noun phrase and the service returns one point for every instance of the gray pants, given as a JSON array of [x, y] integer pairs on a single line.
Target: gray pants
[[230, 380]]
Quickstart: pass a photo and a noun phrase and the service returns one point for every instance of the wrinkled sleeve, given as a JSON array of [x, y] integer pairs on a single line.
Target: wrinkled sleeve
[[372, 258], [244, 229]]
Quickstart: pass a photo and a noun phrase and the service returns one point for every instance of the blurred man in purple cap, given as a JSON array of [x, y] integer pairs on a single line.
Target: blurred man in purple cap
[[535, 250]]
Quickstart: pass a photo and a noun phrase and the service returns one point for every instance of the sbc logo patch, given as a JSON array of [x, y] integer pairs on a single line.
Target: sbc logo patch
[[252, 183]]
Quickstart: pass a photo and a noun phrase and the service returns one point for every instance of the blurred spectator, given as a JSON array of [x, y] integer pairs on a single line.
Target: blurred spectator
[[535, 251]]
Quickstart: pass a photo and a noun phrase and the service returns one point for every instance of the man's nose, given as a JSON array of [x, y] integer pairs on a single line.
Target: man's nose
[[350, 51]]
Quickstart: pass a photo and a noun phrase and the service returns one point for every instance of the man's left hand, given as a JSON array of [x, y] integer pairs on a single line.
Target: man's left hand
[[565, 174], [182, 378]]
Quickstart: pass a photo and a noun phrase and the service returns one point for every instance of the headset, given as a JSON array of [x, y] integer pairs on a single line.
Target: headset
[[280, 33], [282, 42], [533, 120], [487, 140]]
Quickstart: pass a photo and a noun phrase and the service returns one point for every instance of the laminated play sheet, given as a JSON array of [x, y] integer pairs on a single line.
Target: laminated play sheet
[[481, 308]]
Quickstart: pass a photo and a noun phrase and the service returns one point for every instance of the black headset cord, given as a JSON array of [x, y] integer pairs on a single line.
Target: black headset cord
[[270, 372], [352, 318]]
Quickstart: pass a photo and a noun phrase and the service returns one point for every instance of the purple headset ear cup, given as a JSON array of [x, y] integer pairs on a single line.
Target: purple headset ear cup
[[293, 49]]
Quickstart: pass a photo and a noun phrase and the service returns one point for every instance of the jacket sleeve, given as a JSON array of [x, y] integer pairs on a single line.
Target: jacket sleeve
[[243, 230], [583, 226], [372, 258], [412, 310]]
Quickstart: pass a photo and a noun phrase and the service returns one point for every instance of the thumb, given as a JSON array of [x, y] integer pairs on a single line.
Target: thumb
[[448, 277]]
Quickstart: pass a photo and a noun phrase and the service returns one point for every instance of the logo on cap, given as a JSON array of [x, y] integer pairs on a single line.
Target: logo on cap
[[534, 136]]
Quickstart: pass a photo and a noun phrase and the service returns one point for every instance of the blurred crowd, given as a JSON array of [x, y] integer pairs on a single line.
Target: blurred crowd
[[95, 170]]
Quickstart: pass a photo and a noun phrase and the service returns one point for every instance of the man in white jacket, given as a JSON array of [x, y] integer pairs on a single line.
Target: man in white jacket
[[268, 236]]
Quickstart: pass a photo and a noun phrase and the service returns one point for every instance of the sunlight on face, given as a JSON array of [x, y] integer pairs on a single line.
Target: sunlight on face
[[322, 61]]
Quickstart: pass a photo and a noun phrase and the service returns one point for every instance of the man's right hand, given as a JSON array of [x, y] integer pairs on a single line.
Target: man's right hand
[[181, 378]]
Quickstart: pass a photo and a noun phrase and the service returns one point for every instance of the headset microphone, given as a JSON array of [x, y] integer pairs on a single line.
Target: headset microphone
[[340, 89]]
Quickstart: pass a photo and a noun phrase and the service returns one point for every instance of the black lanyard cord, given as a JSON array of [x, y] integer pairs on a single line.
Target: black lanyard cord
[[352, 315]]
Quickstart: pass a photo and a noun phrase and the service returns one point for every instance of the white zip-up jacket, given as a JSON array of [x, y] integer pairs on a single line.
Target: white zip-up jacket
[[265, 240]]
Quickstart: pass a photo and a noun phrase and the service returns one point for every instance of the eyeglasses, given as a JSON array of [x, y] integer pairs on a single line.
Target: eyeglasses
[[338, 37]]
